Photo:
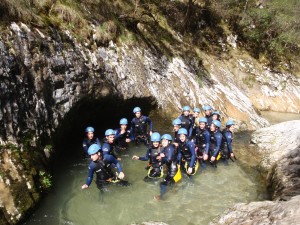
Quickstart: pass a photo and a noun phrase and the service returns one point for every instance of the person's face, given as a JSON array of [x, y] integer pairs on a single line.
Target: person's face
[[90, 135], [95, 156], [123, 126], [164, 142], [138, 114], [155, 144], [186, 113], [110, 138], [207, 112], [214, 117], [231, 128], [213, 127], [202, 125], [176, 127], [182, 137]]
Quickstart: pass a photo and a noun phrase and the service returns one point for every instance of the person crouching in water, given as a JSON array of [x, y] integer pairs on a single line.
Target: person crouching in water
[[226, 147], [123, 136], [109, 154], [202, 141], [153, 155], [215, 142], [186, 153], [169, 157], [89, 140], [102, 169]]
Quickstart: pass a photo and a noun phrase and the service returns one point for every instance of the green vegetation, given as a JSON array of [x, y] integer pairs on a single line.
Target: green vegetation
[[45, 180], [267, 29]]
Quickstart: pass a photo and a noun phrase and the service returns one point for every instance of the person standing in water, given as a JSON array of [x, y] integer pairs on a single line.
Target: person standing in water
[[138, 127], [89, 140]]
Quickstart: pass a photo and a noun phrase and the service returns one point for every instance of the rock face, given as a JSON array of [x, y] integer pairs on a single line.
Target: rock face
[[279, 146], [266, 212], [44, 75]]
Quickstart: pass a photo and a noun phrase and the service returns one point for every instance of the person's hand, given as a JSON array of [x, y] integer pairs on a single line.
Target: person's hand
[[190, 170], [135, 157], [150, 133], [122, 131], [212, 158], [119, 159], [128, 140], [232, 155], [121, 175], [85, 186], [162, 155], [205, 156]]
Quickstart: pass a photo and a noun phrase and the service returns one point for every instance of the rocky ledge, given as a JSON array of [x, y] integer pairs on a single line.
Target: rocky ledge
[[279, 147]]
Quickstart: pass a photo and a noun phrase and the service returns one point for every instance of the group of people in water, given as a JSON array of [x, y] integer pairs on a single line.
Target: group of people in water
[[197, 141]]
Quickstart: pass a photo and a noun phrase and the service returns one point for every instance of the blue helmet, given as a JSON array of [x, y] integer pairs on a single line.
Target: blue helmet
[[217, 123], [136, 109], [229, 123], [93, 149], [110, 132], [89, 129], [177, 122], [186, 108], [203, 120], [216, 113], [182, 131], [155, 137], [123, 121], [206, 107], [196, 110], [167, 136]]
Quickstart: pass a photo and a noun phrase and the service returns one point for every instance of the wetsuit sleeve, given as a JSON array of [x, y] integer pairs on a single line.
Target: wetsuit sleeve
[[190, 131], [179, 156], [146, 157], [118, 134], [105, 149], [228, 139], [111, 159], [169, 152], [149, 121], [207, 141], [90, 174], [191, 147], [218, 138], [98, 143], [132, 128]]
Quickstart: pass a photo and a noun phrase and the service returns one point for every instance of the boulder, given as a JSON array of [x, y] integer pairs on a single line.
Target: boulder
[[265, 212]]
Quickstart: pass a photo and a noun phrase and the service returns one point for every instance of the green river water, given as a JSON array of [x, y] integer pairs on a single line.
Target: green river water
[[191, 201]]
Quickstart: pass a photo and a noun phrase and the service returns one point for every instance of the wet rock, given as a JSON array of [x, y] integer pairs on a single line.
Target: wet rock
[[266, 212], [150, 223], [279, 147]]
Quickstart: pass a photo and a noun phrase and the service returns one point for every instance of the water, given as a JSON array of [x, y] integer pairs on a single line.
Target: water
[[195, 201], [277, 117]]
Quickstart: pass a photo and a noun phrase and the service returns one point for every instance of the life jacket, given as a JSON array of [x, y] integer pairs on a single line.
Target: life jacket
[[103, 170], [200, 139], [186, 122], [140, 126], [186, 153], [153, 153], [88, 143]]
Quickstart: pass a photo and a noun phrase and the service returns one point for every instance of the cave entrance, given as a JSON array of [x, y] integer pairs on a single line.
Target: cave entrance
[[102, 113]]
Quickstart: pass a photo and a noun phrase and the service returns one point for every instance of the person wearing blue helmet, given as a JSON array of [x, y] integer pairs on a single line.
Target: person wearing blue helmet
[[186, 120], [89, 140], [226, 147], [138, 127], [102, 169], [216, 115], [109, 151], [202, 141], [215, 141], [123, 136], [195, 120], [186, 153], [176, 126], [208, 115], [169, 158], [153, 155]]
